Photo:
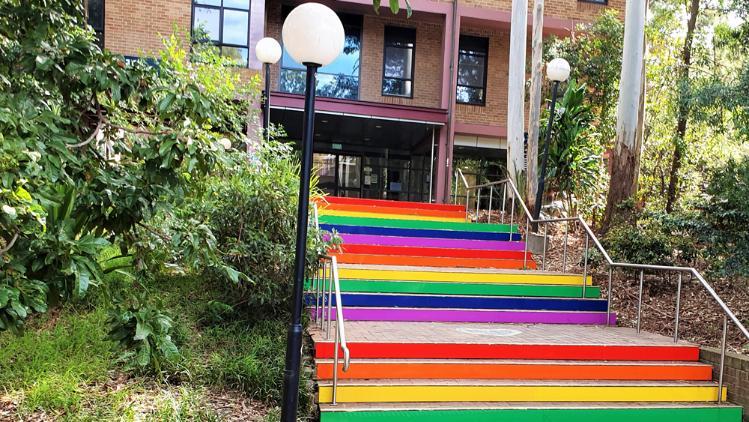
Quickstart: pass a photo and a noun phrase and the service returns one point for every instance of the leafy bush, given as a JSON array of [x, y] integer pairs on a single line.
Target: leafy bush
[[143, 334], [251, 209], [725, 212], [92, 147]]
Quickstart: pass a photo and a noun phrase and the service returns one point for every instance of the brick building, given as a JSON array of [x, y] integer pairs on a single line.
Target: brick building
[[392, 121]]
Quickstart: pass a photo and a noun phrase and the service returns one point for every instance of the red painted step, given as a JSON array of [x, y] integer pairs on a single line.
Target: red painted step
[[374, 350], [394, 204], [432, 261], [439, 252], [395, 210]]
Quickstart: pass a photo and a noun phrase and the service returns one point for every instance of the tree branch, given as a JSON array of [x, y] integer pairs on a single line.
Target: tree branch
[[10, 244], [93, 134]]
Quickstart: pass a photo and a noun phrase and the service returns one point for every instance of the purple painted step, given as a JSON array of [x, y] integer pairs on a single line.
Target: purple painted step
[[463, 315], [426, 242]]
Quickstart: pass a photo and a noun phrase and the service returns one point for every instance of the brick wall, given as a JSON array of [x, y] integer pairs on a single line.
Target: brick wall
[[565, 9], [735, 376], [495, 110], [135, 28]]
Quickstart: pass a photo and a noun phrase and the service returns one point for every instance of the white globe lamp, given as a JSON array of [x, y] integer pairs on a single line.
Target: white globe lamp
[[268, 51], [313, 34], [558, 70]]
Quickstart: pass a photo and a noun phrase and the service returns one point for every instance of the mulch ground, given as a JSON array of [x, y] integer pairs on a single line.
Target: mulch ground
[[701, 320]]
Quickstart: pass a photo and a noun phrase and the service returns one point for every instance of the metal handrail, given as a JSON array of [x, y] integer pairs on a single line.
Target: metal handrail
[[325, 284], [589, 235]]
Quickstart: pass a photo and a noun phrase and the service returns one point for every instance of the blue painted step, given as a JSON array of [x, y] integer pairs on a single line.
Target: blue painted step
[[439, 234], [468, 302]]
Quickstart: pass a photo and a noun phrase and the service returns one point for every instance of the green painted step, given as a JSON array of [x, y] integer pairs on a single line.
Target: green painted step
[[473, 289], [591, 414], [417, 224]]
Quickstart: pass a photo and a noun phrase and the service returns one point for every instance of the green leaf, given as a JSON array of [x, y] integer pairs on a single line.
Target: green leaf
[[166, 102], [166, 147], [376, 5], [4, 296], [395, 6], [144, 355], [142, 330]]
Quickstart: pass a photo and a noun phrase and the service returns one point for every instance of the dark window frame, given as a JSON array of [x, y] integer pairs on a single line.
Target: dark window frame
[[350, 21], [99, 31], [220, 43], [394, 44], [485, 55], [600, 3]]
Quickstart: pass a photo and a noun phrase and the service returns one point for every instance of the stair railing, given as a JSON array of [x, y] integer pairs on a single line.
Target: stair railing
[[611, 264], [325, 285]]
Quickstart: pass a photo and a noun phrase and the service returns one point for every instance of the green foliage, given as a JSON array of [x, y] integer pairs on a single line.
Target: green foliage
[[92, 148], [143, 334], [251, 209], [725, 210], [595, 57], [575, 163]]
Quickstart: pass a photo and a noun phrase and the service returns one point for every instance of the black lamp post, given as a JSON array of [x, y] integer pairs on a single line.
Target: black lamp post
[[557, 70], [313, 35], [268, 51]]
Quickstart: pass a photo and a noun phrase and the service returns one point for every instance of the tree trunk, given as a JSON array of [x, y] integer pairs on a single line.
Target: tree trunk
[[625, 160], [516, 91], [531, 185], [683, 108]]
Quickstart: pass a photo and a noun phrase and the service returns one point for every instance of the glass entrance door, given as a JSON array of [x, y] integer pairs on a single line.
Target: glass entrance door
[[338, 174]]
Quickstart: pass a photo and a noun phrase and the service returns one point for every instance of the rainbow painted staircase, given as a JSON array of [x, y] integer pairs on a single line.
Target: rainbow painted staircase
[[451, 321]]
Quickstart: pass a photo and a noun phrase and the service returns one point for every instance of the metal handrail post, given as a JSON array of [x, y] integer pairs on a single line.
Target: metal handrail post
[[639, 301]]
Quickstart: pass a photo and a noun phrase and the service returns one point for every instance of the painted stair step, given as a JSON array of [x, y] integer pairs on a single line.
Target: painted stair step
[[410, 223], [467, 302], [450, 252], [515, 369], [443, 288], [394, 204], [427, 242], [458, 275], [327, 214], [473, 315], [444, 234], [405, 391], [436, 340], [530, 412], [432, 261], [461, 214]]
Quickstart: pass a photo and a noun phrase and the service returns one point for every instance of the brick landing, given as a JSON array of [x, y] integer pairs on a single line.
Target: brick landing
[[478, 333]]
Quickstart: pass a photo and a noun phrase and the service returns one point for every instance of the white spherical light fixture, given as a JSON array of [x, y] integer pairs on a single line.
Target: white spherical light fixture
[[558, 70], [313, 34], [268, 50]]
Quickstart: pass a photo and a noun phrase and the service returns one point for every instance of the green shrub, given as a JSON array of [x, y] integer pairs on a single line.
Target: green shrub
[[725, 212], [251, 209]]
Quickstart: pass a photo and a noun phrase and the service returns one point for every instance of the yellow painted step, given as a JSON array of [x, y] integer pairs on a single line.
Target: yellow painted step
[[383, 216], [529, 277], [496, 392]]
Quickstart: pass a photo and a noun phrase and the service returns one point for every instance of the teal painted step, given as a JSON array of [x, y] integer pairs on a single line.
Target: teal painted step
[[469, 289], [612, 413], [416, 224]]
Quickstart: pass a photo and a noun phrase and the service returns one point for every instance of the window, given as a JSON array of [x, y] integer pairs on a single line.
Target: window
[[472, 61], [398, 65], [95, 12], [226, 24], [339, 79]]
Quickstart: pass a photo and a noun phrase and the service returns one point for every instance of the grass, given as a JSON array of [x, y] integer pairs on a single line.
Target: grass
[[63, 368]]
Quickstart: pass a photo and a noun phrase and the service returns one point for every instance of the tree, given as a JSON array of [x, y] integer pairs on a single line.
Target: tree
[[683, 85], [531, 184], [625, 159]]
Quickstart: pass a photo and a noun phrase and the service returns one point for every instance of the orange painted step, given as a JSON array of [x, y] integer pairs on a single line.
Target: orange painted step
[[429, 261], [517, 370], [394, 210], [394, 204]]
